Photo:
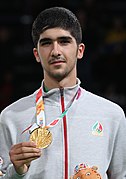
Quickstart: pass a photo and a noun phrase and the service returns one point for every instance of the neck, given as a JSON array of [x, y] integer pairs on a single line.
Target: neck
[[53, 83]]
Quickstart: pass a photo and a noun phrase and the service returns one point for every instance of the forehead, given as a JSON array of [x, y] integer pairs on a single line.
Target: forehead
[[55, 33]]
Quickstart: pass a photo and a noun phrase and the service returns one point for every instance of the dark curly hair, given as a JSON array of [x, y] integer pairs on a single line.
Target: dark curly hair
[[56, 17]]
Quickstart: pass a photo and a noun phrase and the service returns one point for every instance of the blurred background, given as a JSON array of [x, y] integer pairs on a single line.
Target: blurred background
[[102, 69]]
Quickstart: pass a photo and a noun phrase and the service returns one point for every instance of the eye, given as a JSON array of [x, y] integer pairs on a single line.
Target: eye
[[45, 43], [78, 177], [64, 41], [87, 174]]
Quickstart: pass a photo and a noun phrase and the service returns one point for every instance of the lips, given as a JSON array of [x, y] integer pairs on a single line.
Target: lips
[[56, 61]]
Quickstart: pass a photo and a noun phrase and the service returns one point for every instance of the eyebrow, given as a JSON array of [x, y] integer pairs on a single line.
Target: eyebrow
[[58, 38]]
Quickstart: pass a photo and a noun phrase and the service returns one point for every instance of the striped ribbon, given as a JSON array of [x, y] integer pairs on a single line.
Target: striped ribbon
[[40, 113]]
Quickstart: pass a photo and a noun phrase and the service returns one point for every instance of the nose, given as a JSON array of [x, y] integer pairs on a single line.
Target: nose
[[55, 50]]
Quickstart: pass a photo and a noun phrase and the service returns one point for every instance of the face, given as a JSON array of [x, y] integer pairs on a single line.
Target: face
[[58, 52], [87, 174]]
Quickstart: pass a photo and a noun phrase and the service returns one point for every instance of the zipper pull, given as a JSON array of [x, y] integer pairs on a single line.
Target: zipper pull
[[61, 91]]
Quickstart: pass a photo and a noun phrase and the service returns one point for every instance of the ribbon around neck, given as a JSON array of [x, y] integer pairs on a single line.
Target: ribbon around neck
[[40, 112]]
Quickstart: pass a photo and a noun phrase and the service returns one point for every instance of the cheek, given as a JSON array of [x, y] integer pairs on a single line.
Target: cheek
[[43, 62], [43, 53], [43, 58], [71, 56], [70, 51]]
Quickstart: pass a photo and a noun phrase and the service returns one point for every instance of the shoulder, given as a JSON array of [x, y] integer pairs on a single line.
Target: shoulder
[[101, 104], [20, 105]]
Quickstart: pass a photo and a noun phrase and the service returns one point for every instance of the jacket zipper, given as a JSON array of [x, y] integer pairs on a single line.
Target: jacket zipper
[[65, 135]]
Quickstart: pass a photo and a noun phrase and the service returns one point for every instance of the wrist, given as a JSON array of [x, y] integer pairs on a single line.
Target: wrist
[[22, 170]]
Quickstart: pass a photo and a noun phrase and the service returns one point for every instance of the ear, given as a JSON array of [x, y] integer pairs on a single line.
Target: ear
[[95, 168], [81, 49], [35, 52]]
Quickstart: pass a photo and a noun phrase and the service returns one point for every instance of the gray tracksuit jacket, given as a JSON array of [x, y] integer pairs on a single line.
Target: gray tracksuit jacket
[[92, 132]]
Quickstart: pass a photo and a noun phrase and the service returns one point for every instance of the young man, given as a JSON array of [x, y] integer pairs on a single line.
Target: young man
[[45, 135]]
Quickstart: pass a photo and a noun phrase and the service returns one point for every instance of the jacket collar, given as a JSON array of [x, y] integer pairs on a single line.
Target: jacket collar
[[55, 94]]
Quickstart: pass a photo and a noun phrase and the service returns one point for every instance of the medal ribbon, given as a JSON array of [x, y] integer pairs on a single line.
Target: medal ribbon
[[40, 109], [40, 114]]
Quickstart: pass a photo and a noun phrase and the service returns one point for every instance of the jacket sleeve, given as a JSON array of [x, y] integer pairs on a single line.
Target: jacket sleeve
[[117, 168], [6, 167], [11, 174]]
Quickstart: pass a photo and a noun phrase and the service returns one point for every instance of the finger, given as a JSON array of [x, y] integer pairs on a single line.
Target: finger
[[24, 150], [20, 163], [24, 156], [24, 144], [25, 147]]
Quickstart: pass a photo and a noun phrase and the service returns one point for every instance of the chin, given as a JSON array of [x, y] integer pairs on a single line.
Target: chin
[[58, 76]]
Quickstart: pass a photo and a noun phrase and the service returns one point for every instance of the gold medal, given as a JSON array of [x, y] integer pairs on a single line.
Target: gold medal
[[42, 137]]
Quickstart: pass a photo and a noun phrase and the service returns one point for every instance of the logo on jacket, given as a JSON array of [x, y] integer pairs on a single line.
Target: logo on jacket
[[97, 129], [1, 163]]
